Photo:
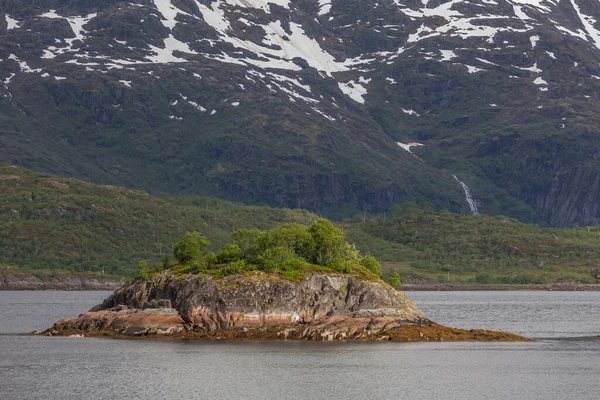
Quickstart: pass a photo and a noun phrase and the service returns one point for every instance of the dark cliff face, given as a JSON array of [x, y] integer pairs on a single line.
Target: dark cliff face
[[556, 174], [299, 103], [570, 198]]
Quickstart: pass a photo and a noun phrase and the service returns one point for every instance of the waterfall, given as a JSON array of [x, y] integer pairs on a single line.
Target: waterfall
[[468, 196]]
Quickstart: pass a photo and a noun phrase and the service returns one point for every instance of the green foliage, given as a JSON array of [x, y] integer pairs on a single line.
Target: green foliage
[[287, 251], [371, 263], [294, 237], [394, 280], [190, 247], [210, 260], [66, 225], [236, 267], [246, 239], [143, 270], [328, 243], [484, 278], [273, 258], [165, 263], [229, 254], [63, 224], [438, 246]]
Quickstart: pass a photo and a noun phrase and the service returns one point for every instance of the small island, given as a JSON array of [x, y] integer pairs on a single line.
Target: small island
[[292, 282]]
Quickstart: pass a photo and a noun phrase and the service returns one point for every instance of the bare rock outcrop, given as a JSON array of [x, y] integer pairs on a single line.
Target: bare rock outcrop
[[319, 307]]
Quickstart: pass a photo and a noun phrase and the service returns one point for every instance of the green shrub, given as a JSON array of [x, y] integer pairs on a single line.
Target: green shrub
[[291, 251], [210, 260], [394, 280], [142, 270], [229, 254], [371, 263], [236, 267], [190, 247], [272, 259], [483, 278], [328, 243]]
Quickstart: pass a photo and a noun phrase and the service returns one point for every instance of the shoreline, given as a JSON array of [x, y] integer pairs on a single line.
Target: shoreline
[[407, 333], [551, 287], [69, 285], [73, 285]]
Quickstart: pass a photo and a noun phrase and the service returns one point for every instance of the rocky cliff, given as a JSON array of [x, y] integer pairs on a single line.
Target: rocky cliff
[[319, 307]]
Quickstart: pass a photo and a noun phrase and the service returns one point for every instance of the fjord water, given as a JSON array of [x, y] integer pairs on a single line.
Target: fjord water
[[565, 363]]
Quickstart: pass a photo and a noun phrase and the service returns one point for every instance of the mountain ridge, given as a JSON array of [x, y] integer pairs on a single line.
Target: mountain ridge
[[302, 103]]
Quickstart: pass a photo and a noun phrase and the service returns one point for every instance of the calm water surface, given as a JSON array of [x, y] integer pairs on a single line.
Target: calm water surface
[[563, 365]]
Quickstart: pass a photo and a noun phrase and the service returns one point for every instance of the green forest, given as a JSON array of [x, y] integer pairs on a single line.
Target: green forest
[[51, 224]]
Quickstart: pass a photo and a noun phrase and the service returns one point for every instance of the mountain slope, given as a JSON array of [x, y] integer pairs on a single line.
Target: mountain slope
[[54, 223], [300, 103]]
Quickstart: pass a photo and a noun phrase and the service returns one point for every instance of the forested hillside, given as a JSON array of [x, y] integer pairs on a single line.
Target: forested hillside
[[51, 223]]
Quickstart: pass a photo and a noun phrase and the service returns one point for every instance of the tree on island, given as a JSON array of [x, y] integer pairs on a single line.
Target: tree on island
[[190, 247], [394, 280], [289, 250], [142, 270]]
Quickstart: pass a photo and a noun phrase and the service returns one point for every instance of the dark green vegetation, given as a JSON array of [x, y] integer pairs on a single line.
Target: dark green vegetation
[[423, 244], [291, 251], [59, 224], [65, 224]]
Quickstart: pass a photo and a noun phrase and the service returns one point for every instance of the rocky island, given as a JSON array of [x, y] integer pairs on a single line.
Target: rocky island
[[293, 282]]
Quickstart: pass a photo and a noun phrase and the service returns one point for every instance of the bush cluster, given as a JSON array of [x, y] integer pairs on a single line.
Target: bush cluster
[[288, 250]]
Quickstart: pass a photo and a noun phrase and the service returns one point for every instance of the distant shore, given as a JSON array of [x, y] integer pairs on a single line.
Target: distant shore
[[15, 279], [71, 284], [450, 287]]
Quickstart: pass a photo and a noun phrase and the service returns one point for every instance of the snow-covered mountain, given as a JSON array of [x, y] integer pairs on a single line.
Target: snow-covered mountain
[[303, 102]]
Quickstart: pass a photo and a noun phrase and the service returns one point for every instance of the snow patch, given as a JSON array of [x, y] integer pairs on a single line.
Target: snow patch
[[323, 114], [447, 55], [165, 55], [589, 24], [534, 68], [407, 146], [11, 23], [416, 114], [279, 46], [324, 7], [168, 11], [534, 39], [472, 70], [353, 90]]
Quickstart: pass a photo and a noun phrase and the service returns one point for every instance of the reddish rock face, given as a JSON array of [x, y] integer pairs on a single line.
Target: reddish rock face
[[263, 306], [130, 322], [263, 300], [322, 304]]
